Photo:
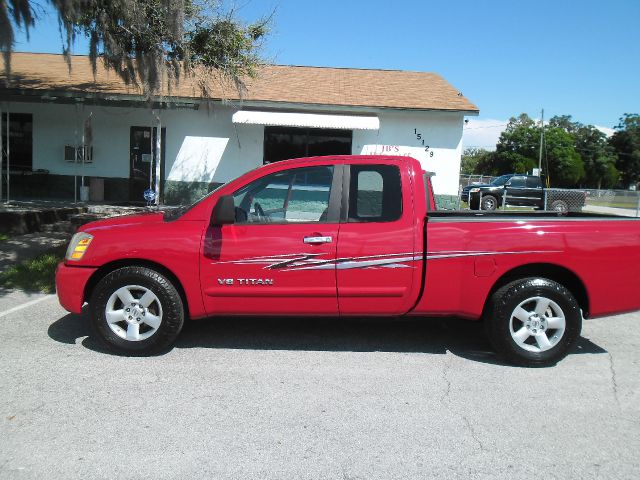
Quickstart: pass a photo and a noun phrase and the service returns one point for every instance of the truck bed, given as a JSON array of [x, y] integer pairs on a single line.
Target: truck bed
[[470, 252], [509, 215]]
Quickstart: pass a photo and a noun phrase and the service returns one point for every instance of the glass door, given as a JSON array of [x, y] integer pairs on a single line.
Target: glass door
[[142, 162]]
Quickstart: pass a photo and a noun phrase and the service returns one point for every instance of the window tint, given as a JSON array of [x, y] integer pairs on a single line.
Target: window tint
[[533, 182], [369, 199], [299, 195], [517, 182], [375, 193], [498, 182]]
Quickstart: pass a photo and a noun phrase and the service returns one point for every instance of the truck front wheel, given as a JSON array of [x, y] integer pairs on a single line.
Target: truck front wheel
[[136, 311], [489, 202], [534, 322]]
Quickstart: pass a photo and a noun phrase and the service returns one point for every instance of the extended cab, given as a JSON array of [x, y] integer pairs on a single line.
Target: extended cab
[[522, 191], [350, 235]]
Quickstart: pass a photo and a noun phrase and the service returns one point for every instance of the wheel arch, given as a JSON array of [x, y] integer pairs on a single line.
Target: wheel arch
[[107, 268], [550, 271]]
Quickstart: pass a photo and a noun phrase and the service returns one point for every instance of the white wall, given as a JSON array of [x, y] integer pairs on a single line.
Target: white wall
[[204, 145], [399, 135], [230, 151]]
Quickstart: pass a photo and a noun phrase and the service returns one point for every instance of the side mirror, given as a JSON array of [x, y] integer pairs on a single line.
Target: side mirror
[[224, 212]]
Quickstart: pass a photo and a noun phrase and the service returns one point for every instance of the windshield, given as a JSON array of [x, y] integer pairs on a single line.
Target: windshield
[[498, 182]]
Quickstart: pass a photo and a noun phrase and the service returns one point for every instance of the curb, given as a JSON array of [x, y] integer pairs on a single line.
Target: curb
[[25, 221]]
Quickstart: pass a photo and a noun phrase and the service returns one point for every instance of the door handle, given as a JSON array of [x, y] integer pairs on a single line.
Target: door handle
[[318, 239]]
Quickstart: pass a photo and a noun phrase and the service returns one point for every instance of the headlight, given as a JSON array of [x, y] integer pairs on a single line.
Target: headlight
[[474, 190], [78, 246]]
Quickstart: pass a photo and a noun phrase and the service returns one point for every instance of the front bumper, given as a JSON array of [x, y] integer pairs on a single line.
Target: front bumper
[[70, 286]]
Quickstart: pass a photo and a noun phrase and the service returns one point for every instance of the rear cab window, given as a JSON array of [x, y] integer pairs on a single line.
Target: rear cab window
[[375, 193], [533, 182]]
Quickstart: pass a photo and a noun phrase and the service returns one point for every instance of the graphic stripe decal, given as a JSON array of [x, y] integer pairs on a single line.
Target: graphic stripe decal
[[309, 261]]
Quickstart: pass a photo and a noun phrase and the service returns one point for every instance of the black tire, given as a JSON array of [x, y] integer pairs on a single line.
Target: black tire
[[489, 202], [560, 206], [165, 309], [507, 332]]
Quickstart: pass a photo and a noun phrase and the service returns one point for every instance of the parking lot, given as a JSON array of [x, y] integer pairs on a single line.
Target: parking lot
[[312, 399]]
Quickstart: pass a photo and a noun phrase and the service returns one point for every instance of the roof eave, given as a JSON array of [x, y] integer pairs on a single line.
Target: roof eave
[[167, 102]]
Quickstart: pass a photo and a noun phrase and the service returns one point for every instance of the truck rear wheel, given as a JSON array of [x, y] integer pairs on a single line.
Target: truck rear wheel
[[560, 206], [136, 311], [534, 322], [489, 202]]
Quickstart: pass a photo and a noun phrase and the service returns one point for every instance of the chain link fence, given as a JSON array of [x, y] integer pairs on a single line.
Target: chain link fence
[[564, 200], [466, 180], [610, 202], [618, 202]]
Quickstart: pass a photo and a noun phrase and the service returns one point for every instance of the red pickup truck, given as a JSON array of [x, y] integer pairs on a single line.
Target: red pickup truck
[[351, 236]]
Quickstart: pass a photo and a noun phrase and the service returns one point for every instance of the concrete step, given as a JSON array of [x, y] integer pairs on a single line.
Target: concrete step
[[16, 220], [83, 218], [115, 210], [99, 212], [63, 226]]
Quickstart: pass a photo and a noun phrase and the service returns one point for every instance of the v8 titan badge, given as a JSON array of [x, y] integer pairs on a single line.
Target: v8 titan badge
[[245, 281]]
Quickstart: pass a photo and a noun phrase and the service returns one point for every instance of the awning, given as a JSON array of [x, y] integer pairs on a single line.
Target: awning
[[313, 120]]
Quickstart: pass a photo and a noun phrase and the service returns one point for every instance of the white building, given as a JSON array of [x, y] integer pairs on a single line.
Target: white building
[[287, 112]]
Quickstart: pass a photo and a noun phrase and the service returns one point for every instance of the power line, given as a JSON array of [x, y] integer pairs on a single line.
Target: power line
[[532, 145], [486, 126]]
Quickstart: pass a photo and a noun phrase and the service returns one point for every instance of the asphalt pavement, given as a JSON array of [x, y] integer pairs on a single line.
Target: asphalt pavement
[[311, 399]]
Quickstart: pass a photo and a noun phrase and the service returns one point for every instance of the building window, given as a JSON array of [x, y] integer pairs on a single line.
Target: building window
[[20, 141], [282, 143]]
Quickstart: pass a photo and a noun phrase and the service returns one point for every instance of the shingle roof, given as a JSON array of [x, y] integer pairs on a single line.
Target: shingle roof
[[275, 83]]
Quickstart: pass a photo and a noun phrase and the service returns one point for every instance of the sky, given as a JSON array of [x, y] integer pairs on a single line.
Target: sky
[[568, 58]]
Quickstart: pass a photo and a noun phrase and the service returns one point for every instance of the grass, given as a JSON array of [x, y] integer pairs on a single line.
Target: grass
[[465, 206], [35, 275], [3, 237], [631, 204]]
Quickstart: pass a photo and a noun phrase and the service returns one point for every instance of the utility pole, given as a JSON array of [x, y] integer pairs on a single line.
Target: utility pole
[[8, 150], [1, 153], [541, 140], [158, 155]]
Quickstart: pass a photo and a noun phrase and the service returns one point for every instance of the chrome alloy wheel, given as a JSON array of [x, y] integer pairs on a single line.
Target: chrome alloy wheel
[[488, 203], [537, 324], [133, 313]]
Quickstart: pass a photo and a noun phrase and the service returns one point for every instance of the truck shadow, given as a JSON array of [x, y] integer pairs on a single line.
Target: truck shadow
[[463, 338]]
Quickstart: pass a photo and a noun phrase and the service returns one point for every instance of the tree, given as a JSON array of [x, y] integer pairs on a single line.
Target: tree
[[598, 156], [518, 150], [626, 144], [518, 146], [564, 166], [594, 149], [473, 160], [149, 43], [21, 14], [573, 154]]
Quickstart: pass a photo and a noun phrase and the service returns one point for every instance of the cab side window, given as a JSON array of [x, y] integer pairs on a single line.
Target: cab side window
[[517, 182], [533, 182], [293, 196], [375, 193]]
